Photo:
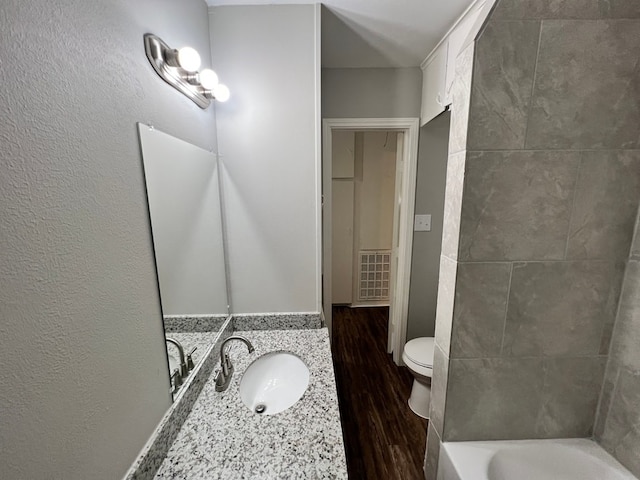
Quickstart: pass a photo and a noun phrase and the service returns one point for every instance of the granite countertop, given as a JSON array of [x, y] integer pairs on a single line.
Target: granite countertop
[[222, 439]]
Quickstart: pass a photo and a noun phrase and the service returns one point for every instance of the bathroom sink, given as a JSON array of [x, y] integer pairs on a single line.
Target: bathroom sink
[[274, 382]]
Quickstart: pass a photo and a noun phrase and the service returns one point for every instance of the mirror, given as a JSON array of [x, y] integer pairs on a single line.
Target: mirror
[[186, 222]]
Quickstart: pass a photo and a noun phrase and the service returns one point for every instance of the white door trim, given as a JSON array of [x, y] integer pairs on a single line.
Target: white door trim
[[410, 128]]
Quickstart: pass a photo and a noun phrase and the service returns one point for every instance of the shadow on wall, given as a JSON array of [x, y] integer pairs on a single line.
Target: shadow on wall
[[344, 39]]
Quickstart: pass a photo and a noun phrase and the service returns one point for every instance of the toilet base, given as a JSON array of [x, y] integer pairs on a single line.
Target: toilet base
[[420, 398]]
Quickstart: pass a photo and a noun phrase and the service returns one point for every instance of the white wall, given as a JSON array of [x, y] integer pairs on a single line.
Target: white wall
[[269, 145], [375, 190], [184, 202], [371, 92], [84, 375], [425, 258], [343, 149]]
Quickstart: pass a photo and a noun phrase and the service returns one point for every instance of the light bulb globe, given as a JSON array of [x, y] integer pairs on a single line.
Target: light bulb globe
[[189, 59], [221, 92], [208, 79]]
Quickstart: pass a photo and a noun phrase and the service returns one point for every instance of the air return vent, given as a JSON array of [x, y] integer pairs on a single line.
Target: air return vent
[[374, 275]]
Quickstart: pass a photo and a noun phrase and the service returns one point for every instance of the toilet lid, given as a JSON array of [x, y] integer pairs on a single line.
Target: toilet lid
[[420, 351]]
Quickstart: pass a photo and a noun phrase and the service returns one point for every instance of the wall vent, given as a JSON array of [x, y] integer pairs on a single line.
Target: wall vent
[[374, 275]]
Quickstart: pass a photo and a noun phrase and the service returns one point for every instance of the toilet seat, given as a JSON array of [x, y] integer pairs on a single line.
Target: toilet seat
[[417, 354], [420, 351]]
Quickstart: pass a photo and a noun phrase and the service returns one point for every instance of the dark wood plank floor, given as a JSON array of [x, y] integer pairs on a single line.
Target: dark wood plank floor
[[384, 439]]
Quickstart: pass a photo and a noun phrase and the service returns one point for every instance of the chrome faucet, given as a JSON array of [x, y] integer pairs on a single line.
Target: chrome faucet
[[184, 371], [226, 367]]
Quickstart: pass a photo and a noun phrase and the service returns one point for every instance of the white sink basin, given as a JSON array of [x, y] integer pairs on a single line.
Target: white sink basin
[[274, 382]]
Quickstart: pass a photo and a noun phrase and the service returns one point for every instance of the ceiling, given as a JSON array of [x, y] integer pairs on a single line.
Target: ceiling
[[377, 33]]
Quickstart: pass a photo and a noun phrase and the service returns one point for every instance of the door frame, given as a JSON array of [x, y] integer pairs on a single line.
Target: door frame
[[410, 128]]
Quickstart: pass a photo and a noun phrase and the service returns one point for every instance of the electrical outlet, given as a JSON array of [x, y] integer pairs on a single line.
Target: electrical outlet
[[422, 223]]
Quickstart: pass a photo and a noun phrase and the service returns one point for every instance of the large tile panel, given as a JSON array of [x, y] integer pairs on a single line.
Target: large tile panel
[[517, 205], [453, 204], [621, 435], [625, 346], [606, 395], [432, 454], [587, 87], [480, 309], [560, 308], [620, 8], [501, 88], [566, 9], [446, 297], [570, 396], [519, 398], [606, 204], [493, 399], [460, 96], [439, 388]]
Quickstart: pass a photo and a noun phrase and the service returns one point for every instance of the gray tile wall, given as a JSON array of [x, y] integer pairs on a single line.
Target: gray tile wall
[[461, 94], [543, 188], [618, 423]]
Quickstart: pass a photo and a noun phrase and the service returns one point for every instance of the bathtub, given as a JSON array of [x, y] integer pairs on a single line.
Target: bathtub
[[563, 459]]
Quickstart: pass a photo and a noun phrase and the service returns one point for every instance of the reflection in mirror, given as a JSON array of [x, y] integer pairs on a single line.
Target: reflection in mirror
[[185, 211]]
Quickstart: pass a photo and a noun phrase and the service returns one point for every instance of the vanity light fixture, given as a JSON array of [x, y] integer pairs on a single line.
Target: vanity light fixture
[[221, 93], [179, 68], [208, 79]]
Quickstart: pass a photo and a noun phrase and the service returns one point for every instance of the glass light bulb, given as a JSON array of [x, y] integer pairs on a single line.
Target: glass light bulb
[[221, 92], [189, 59], [208, 79]]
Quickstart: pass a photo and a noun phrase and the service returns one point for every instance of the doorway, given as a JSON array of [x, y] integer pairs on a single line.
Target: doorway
[[372, 259], [362, 214]]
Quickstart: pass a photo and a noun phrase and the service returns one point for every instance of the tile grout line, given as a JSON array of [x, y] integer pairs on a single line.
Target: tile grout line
[[506, 310], [573, 208], [532, 357], [555, 150], [551, 260], [609, 355], [533, 85], [599, 414]]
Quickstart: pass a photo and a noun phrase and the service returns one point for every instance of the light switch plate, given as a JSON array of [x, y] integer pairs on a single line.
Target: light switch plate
[[422, 223]]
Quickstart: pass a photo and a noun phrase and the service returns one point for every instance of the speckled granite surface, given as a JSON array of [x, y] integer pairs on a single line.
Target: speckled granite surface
[[193, 323], [276, 321], [154, 452], [223, 439]]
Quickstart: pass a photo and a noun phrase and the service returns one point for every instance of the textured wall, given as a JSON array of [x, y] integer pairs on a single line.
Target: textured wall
[[371, 92], [542, 192], [618, 424], [269, 149], [84, 378]]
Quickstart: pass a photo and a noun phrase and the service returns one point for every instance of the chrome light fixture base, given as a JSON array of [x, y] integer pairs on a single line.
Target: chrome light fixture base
[[158, 52]]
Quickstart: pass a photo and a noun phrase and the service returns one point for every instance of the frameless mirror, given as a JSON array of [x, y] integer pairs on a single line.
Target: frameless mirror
[[184, 207]]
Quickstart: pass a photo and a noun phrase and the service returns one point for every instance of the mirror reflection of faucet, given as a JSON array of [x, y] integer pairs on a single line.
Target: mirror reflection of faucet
[[190, 365], [179, 373], [226, 367], [176, 381]]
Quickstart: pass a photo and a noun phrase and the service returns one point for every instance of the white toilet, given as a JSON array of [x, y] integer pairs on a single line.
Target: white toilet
[[418, 356]]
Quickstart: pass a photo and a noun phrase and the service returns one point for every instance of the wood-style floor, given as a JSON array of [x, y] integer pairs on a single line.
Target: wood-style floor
[[384, 439]]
